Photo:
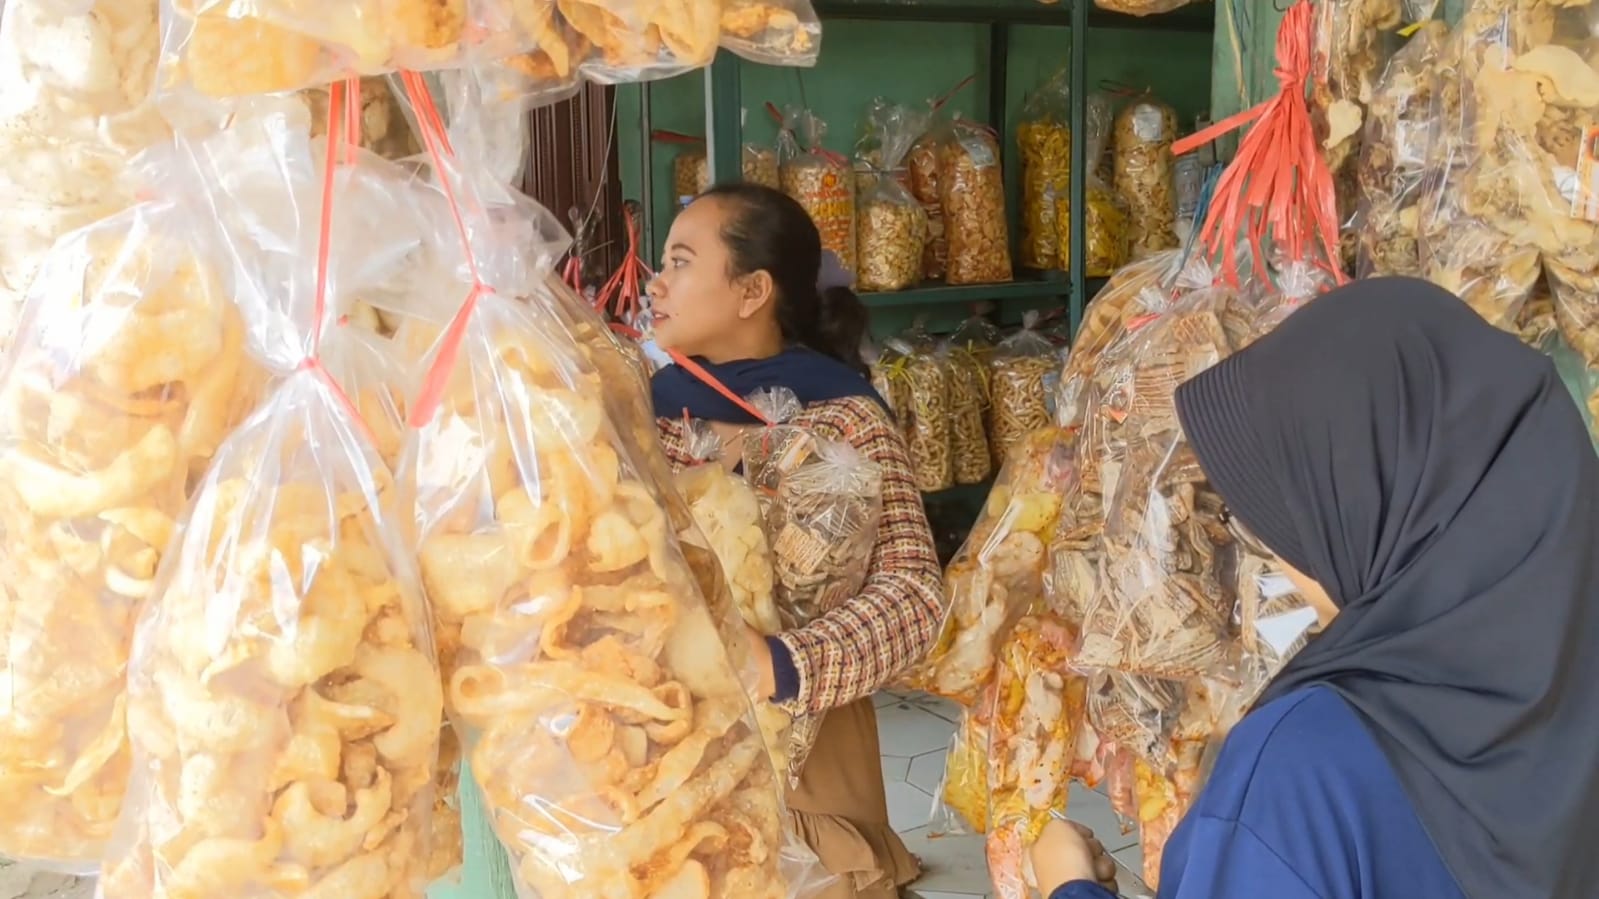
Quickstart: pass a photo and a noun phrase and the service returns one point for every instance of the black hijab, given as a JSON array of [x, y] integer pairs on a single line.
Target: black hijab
[[1435, 477]]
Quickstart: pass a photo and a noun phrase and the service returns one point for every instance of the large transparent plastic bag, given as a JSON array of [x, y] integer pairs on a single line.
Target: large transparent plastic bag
[[730, 518], [284, 664], [1040, 708], [998, 574], [1164, 599], [1394, 157], [127, 373], [229, 48], [604, 722], [284, 703], [550, 548], [75, 79]]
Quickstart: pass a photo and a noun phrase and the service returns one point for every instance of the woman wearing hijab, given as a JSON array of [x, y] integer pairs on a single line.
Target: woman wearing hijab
[[1430, 485], [748, 294]]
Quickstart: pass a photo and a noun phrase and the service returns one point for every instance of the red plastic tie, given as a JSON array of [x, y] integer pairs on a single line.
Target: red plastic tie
[[711, 381]]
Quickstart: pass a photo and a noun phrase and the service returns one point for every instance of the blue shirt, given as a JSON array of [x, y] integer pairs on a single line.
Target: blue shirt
[[1302, 804]]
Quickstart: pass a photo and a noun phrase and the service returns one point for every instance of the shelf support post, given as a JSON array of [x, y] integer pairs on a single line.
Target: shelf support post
[[724, 126], [1079, 179]]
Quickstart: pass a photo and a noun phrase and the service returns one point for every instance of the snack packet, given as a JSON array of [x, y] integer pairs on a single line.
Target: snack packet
[[1019, 376], [891, 227], [820, 181]]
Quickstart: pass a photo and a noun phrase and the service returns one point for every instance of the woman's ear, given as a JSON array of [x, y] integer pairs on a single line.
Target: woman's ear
[[756, 293]]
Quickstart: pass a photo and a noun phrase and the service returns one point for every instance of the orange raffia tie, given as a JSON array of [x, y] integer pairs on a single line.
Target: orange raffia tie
[[341, 138], [622, 290], [437, 142], [715, 383], [1279, 181], [950, 94]]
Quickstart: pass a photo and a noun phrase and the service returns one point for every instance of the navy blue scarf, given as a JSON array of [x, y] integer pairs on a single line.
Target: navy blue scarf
[[813, 377]]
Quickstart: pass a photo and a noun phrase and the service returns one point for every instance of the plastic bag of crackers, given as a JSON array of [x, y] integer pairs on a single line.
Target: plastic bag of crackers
[[1045, 140], [891, 227], [998, 574], [229, 48], [820, 180], [971, 194], [284, 701], [592, 654], [730, 518], [966, 354], [127, 372], [1144, 174], [926, 419], [1019, 378], [73, 114], [1040, 709]]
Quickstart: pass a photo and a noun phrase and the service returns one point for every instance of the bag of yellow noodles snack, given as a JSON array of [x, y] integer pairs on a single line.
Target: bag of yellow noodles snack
[[284, 701], [599, 706]]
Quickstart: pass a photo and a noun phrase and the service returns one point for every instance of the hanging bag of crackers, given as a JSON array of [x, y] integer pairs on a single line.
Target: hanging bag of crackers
[[1145, 172], [106, 418], [287, 607], [594, 675], [971, 191], [728, 516], [1020, 378], [891, 228], [820, 180], [966, 355]]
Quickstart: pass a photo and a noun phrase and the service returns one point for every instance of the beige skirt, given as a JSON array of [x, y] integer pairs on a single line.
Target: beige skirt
[[840, 809]]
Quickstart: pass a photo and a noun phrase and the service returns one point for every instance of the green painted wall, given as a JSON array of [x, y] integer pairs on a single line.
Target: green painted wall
[[862, 60]]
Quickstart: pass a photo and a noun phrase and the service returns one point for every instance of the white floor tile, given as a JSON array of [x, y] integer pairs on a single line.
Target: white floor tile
[[885, 698], [927, 772], [907, 730], [908, 807], [940, 894], [943, 708], [1131, 861], [896, 770], [950, 864]]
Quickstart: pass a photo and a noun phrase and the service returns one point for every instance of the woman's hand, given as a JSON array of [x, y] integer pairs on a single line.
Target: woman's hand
[[732, 439], [1068, 851], [761, 655]]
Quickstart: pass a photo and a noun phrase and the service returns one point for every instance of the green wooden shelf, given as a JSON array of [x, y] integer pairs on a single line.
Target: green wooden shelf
[[1195, 17], [1046, 284]]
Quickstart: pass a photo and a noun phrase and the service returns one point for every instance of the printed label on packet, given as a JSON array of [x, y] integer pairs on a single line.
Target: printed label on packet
[[1585, 197]]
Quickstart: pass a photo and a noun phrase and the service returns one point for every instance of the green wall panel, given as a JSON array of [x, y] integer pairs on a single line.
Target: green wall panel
[[906, 62]]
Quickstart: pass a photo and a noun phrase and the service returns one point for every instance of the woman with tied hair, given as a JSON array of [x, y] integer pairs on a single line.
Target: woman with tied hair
[[744, 291], [1429, 486]]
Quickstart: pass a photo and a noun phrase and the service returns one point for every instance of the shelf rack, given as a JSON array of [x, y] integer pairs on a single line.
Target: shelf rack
[[724, 129]]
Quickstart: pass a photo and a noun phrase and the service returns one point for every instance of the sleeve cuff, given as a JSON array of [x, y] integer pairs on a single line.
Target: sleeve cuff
[[1081, 889], [785, 674]]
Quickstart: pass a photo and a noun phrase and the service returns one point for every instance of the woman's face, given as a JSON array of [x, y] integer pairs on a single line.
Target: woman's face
[[695, 300]]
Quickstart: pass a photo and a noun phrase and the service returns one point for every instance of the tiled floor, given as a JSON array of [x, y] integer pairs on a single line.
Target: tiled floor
[[915, 732]]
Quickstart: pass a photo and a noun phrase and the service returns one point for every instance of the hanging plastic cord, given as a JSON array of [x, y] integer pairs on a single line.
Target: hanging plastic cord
[[437, 143], [343, 147], [620, 297], [1207, 192], [582, 235], [1278, 183]]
